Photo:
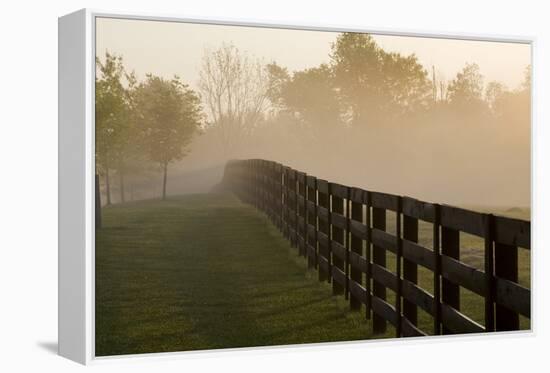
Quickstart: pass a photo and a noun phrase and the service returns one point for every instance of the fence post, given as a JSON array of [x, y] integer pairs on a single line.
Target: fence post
[[368, 256], [410, 269], [289, 212], [250, 188], [356, 246], [253, 190], [284, 206], [489, 267], [398, 268], [266, 188], [97, 203], [338, 236], [378, 257], [347, 239], [450, 292], [270, 185], [437, 271], [292, 206], [323, 201], [506, 267], [296, 211], [278, 195], [270, 180], [261, 185], [312, 221], [301, 213], [268, 177]]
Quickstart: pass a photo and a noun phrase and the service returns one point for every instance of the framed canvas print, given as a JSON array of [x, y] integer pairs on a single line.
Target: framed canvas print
[[234, 185]]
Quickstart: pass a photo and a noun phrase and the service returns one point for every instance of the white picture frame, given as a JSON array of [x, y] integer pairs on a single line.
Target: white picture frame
[[76, 40]]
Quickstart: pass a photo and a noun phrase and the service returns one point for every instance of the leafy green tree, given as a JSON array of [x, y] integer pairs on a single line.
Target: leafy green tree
[[131, 162], [309, 95], [377, 86], [111, 117], [169, 116]]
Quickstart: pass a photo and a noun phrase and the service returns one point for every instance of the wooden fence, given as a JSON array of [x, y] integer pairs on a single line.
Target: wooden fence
[[342, 232]]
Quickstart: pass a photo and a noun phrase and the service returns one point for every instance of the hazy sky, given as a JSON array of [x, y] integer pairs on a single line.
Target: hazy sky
[[168, 48]]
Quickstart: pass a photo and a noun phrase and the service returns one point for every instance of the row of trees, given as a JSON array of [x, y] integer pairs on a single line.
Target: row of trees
[[366, 86], [363, 86], [141, 123], [240, 100]]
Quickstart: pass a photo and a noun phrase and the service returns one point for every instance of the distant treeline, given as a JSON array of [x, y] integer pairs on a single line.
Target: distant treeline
[[241, 101]]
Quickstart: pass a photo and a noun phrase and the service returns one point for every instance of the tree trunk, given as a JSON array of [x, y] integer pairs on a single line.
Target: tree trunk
[[107, 186], [97, 202], [164, 180], [121, 181]]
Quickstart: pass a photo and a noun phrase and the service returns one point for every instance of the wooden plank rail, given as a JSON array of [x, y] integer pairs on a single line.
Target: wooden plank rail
[[302, 213], [341, 231]]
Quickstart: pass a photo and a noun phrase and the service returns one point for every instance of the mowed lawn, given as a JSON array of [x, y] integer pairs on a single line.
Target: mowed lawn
[[206, 271]]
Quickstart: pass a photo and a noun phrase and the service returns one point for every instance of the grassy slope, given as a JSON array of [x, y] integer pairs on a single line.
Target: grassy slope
[[205, 271]]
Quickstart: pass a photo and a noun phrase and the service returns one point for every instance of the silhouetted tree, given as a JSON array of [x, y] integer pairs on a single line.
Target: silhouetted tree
[[278, 78], [376, 85], [493, 95], [465, 91], [512, 107], [309, 95]]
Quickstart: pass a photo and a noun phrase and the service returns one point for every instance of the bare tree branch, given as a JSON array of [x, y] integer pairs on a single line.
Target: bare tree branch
[[234, 89]]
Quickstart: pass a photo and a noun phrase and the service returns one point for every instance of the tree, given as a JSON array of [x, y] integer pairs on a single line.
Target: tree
[[309, 95], [278, 78], [526, 84], [111, 116], [511, 106], [406, 83], [374, 84], [169, 116], [465, 92], [133, 161], [234, 90], [494, 94]]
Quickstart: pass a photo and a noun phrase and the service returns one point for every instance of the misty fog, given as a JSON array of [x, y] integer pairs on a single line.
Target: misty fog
[[392, 127]]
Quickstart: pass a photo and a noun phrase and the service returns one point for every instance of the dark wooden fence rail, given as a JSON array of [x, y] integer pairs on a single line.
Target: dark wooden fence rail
[[342, 232]]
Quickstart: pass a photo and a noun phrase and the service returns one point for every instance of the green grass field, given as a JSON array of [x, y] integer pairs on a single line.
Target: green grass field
[[206, 271]]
